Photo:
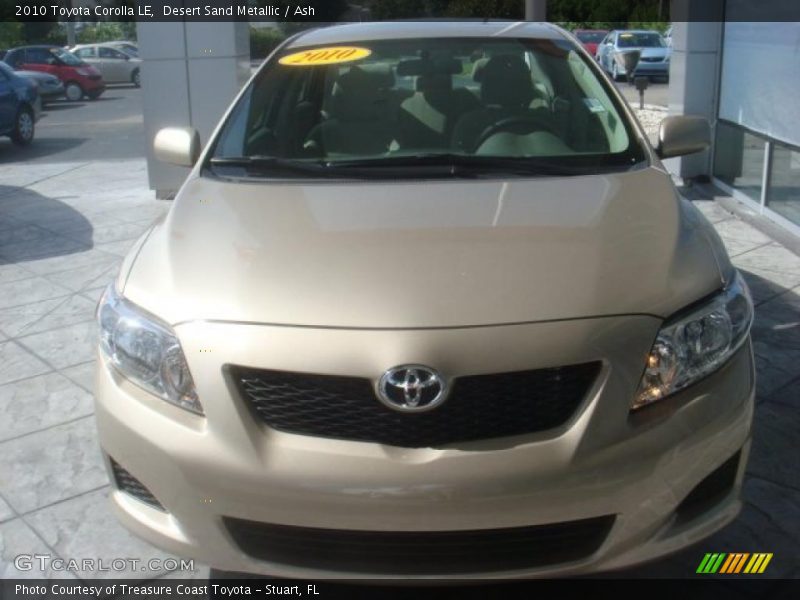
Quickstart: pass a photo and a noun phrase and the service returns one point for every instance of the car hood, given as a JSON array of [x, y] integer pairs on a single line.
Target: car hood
[[653, 52], [423, 254]]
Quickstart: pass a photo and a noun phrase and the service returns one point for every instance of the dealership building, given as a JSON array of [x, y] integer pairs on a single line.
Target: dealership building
[[728, 64], [743, 73]]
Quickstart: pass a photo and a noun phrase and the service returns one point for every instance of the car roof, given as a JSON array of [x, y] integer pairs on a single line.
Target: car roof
[[637, 31], [395, 30]]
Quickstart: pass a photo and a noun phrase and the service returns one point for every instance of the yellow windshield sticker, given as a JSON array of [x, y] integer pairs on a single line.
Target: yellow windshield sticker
[[325, 56]]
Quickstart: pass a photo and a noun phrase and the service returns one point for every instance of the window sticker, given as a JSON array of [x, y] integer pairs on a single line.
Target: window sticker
[[594, 105], [325, 56]]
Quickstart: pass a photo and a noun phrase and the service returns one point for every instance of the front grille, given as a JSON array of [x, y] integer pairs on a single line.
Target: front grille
[[421, 552], [130, 485], [95, 77], [479, 407], [651, 59]]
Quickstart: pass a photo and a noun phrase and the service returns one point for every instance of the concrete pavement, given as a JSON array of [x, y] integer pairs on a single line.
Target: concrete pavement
[[64, 228]]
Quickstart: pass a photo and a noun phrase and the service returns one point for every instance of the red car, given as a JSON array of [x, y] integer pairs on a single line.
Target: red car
[[79, 78], [590, 38]]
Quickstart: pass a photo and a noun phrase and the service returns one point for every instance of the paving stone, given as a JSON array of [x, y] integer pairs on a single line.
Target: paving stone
[[52, 465], [64, 347], [87, 277], [765, 285], [17, 363], [6, 512], [772, 257], [26, 291], [12, 272], [40, 402], [775, 433], [41, 316], [86, 526], [17, 538], [82, 374]]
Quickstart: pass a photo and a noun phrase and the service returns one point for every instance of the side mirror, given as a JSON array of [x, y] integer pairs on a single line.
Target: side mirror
[[177, 146], [679, 135]]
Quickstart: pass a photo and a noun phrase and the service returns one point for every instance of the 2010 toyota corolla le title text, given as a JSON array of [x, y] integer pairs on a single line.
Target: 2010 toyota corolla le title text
[[428, 305]]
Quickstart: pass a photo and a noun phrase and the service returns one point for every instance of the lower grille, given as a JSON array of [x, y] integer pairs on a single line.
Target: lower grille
[[421, 552], [710, 491], [479, 407], [130, 485]]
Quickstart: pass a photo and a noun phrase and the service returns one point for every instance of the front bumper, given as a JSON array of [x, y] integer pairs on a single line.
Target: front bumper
[[50, 93], [637, 468], [652, 69]]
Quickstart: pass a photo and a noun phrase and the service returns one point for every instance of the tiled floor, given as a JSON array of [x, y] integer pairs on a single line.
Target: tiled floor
[[63, 231]]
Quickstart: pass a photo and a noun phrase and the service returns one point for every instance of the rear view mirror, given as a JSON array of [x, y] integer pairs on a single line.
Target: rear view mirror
[[680, 135], [177, 146]]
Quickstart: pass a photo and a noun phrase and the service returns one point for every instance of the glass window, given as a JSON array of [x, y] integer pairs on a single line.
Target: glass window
[[110, 53], [646, 39], [431, 103], [84, 52], [783, 194], [39, 56], [739, 159]]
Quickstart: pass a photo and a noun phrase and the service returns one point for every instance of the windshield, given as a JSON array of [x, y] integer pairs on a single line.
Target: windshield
[[488, 105], [68, 58], [640, 40], [591, 37]]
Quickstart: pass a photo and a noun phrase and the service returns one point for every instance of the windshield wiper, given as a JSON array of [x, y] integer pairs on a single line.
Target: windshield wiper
[[261, 164], [463, 164]]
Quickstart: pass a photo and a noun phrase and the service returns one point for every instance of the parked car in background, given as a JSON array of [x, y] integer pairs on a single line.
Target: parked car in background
[[50, 86], [115, 65], [590, 38], [79, 78], [129, 48], [655, 55], [19, 106]]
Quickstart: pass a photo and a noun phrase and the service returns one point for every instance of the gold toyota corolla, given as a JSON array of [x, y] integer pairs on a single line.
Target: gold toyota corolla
[[428, 305]]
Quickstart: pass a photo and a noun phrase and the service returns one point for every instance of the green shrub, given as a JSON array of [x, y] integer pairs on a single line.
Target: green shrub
[[264, 40]]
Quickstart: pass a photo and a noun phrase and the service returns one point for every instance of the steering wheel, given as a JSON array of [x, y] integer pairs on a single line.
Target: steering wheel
[[518, 124]]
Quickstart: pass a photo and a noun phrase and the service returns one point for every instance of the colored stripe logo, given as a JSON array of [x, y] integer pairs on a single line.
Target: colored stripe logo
[[734, 563]]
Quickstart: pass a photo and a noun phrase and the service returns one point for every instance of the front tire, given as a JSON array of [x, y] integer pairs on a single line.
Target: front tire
[[73, 91], [24, 127]]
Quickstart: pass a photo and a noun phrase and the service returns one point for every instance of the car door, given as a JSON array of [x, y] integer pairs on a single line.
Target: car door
[[114, 65], [89, 56], [8, 103], [39, 59]]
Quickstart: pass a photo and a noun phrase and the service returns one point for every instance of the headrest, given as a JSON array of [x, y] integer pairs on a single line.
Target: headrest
[[421, 67], [358, 92], [506, 81]]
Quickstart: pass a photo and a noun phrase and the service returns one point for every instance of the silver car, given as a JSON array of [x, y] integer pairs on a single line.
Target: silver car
[[655, 55], [115, 65], [427, 305]]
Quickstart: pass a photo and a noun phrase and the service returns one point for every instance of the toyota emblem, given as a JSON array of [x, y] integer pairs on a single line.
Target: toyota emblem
[[411, 388]]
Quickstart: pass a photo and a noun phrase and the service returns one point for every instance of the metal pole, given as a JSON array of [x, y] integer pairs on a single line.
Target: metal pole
[[535, 10], [70, 28]]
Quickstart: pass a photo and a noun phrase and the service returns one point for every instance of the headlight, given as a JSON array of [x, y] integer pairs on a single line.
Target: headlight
[[84, 72], [693, 345], [145, 351]]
